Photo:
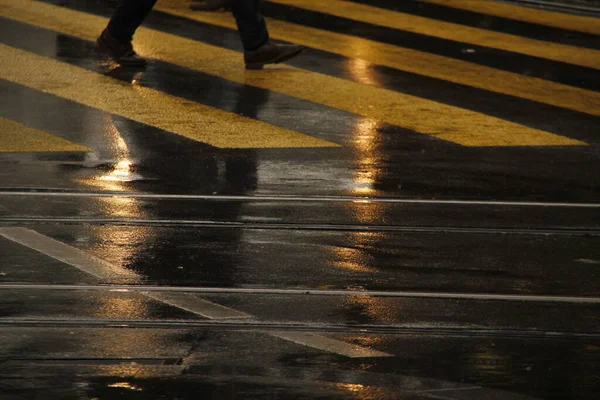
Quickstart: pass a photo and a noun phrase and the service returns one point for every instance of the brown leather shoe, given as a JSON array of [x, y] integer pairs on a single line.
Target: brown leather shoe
[[210, 5], [271, 53], [120, 52]]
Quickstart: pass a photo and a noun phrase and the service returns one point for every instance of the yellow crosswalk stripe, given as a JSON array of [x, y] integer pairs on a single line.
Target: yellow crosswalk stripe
[[448, 69], [16, 137], [445, 30], [571, 22], [195, 121], [446, 122]]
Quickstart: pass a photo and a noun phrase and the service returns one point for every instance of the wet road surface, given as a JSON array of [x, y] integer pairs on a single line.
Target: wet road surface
[[408, 210]]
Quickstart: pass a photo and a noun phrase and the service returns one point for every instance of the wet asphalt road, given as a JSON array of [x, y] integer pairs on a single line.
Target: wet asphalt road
[[408, 210]]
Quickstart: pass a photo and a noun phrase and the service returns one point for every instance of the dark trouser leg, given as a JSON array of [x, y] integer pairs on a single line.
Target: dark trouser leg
[[128, 16], [251, 24]]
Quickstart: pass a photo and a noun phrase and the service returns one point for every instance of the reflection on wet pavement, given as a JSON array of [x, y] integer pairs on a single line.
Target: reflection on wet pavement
[[408, 210]]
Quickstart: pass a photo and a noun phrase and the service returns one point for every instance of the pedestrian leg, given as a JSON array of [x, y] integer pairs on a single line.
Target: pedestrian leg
[[258, 50], [116, 38]]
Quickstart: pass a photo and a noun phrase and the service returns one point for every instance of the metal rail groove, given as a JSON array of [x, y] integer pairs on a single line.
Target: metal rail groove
[[267, 327], [291, 198], [558, 6], [315, 292], [570, 231]]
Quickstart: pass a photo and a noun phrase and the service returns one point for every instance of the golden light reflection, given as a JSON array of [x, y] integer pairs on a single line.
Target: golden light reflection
[[132, 370], [118, 144], [124, 207], [125, 385], [372, 213], [361, 71], [357, 257], [351, 259], [367, 341], [119, 245], [137, 78], [125, 343], [112, 307], [363, 183], [364, 137], [366, 392], [377, 308], [489, 360], [351, 387], [122, 170], [121, 173]]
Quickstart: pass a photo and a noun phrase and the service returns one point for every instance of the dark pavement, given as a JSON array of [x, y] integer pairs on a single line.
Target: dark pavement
[[408, 210]]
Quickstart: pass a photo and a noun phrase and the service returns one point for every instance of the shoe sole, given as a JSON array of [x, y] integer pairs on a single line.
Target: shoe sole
[[278, 60], [104, 48]]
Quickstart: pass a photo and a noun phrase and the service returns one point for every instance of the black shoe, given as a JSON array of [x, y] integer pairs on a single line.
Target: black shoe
[[120, 52], [271, 53], [210, 5]]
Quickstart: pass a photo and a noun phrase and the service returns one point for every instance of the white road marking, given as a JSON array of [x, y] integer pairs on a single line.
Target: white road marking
[[191, 303], [65, 253], [587, 261], [182, 300], [330, 345], [106, 271]]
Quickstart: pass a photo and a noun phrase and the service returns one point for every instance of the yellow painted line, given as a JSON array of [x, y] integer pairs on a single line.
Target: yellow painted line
[[446, 122], [16, 137], [526, 14], [195, 121], [445, 30], [361, 50]]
